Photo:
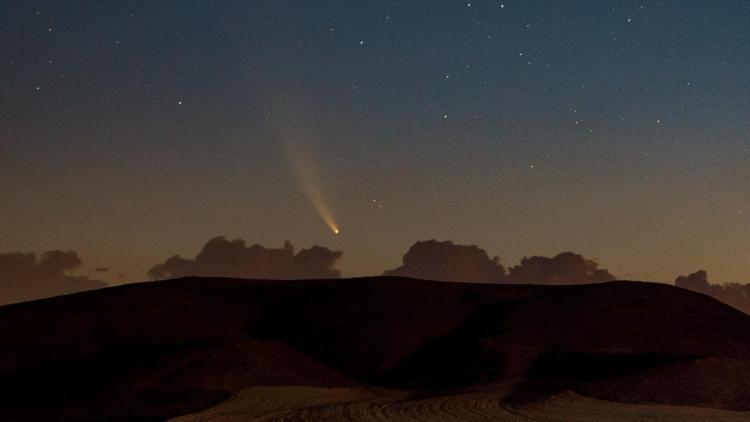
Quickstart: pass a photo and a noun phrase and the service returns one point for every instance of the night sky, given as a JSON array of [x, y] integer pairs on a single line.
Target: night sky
[[134, 130]]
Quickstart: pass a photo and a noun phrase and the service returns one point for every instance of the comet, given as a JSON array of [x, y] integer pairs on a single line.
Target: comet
[[308, 177], [297, 138]]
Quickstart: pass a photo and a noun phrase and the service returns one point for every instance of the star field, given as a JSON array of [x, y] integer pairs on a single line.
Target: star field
[[620, 130]]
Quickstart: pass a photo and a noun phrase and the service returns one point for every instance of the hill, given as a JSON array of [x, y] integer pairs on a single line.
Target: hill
[[156, 350]]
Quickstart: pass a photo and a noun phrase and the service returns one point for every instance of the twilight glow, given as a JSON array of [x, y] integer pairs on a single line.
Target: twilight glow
[[618, 130]]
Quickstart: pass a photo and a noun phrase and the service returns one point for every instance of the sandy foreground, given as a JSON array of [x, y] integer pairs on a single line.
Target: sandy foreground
[[297, 403]]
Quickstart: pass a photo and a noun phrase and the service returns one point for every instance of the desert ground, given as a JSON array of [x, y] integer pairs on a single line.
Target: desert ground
[[315, 404], [372, 349]]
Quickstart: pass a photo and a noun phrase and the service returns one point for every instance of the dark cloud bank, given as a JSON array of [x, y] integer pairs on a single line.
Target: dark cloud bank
[[23, 276], [431, 260], [446, 261], [232, 258], [733, 294], [435, 260]]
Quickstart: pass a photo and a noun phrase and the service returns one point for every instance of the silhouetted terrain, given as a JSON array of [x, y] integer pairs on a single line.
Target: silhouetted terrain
[[154, 350]]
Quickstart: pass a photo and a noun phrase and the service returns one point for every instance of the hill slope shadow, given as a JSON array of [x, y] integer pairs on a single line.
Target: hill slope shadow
[[185, 344]]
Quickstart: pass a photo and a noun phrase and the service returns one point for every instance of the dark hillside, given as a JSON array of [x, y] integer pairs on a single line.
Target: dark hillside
[[152, 350]]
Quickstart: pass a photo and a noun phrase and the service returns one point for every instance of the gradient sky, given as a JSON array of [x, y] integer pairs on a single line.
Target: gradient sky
[[131, 131]]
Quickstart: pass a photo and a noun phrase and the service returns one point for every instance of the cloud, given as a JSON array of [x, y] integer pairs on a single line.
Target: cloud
[[232, 258], [446, 261], [565, 268], [697, 281], [733, 294], [24, 277]]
